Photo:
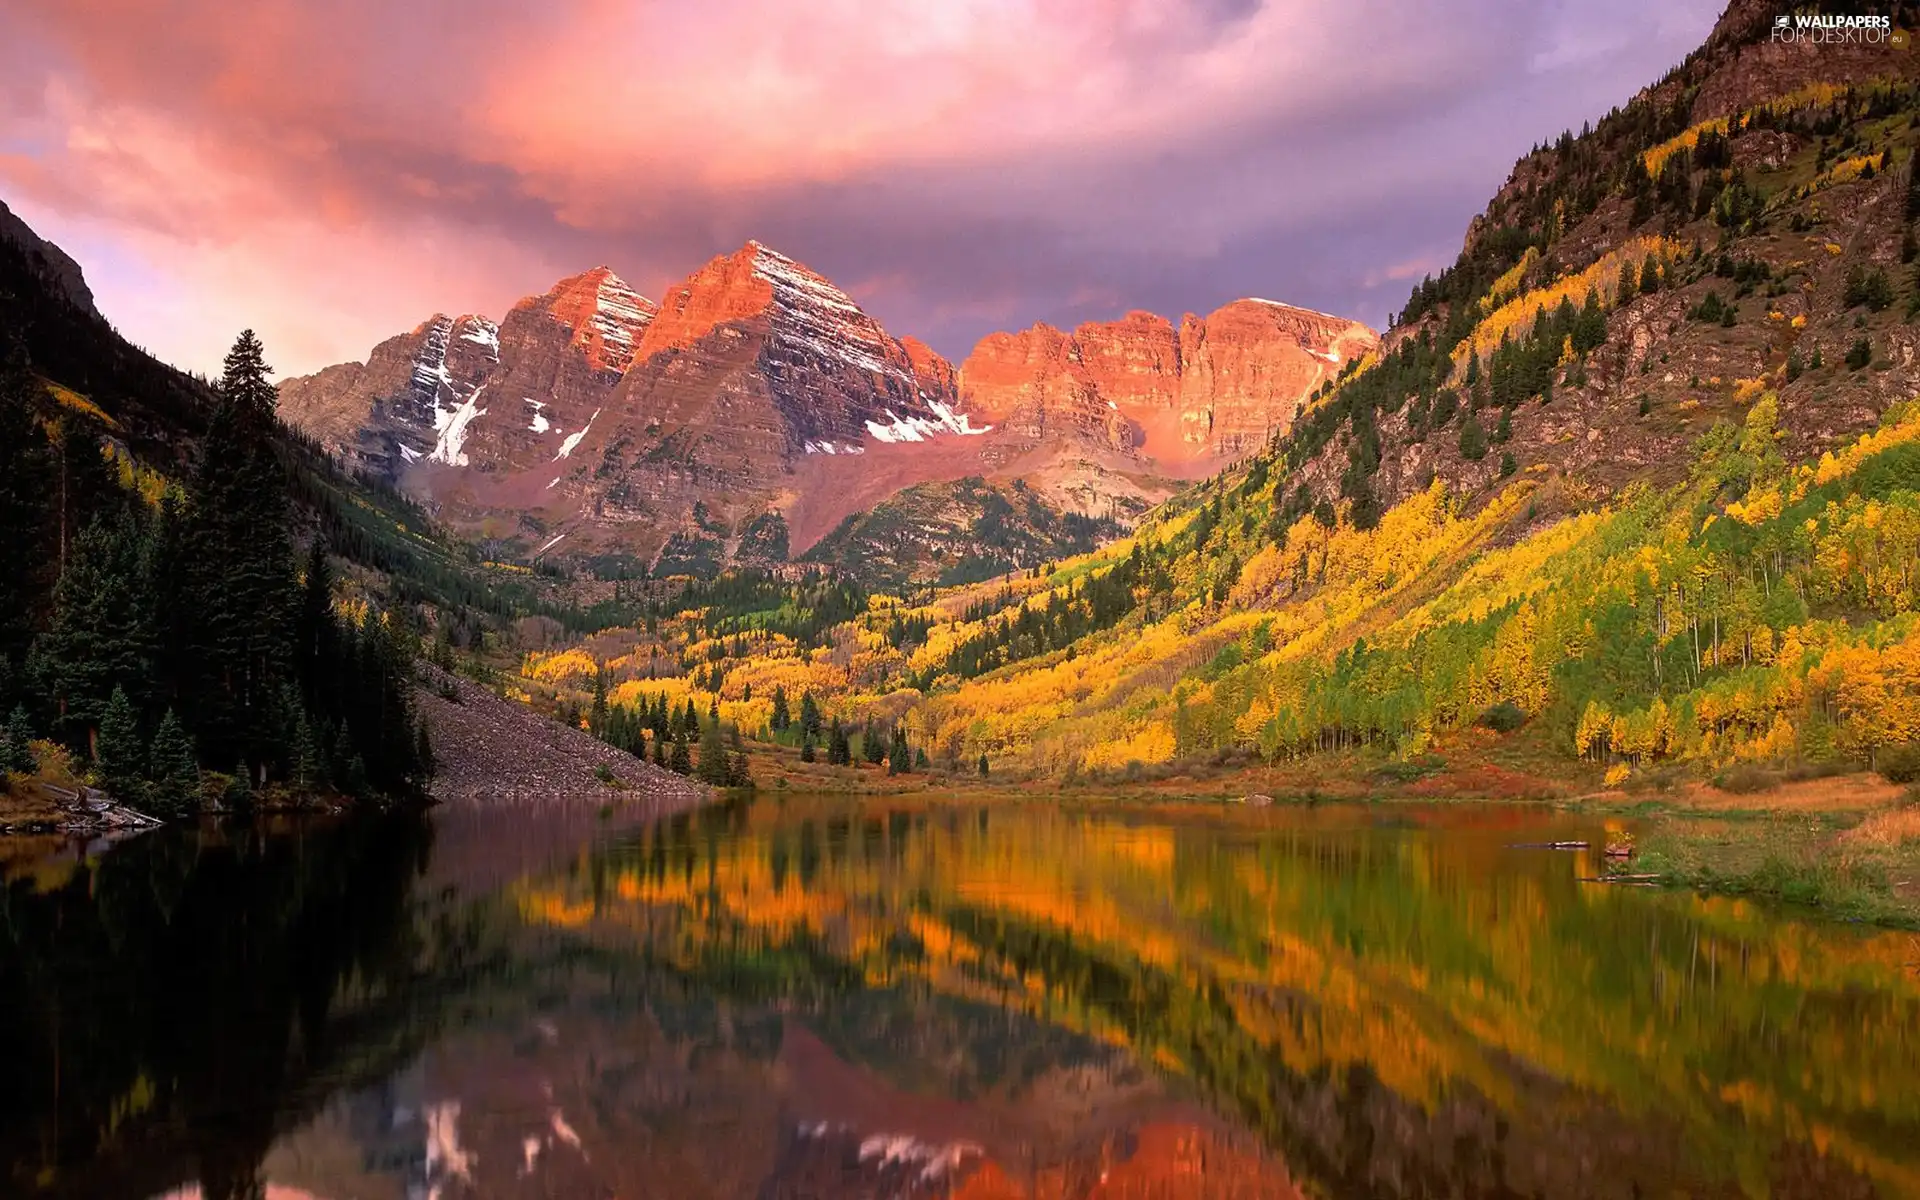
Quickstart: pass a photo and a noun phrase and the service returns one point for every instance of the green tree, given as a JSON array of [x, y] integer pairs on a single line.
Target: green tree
[[1860, 353], [712, 768], [15, 755], [173, 771], [899, 757], [681, 760], [100, 638], [597, 715], [839, 751], [1473, 440], [809, 715], [781, 717], [1628, 286], [983, 764], [119, 759], [242, 557]]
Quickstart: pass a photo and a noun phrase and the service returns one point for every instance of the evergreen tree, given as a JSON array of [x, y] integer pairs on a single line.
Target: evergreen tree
[[712, 767], [983, 764], [660, 750], [309, 766], [100, 638], [119, 759], [1628, 286], [175, 775], [871, 747], [781, 717], [806, 748], [241, 555], [1860, 353], [597, 715], [899, 758], [839, 752], [1473, 440], [809, 715], [681, 761], [19, 735], [1649, 275]]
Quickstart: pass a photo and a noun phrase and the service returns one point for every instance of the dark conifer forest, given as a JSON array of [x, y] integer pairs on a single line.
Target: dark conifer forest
[[158, 625]]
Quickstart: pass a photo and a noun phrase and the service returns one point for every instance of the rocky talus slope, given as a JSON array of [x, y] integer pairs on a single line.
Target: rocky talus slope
[[493, 751]]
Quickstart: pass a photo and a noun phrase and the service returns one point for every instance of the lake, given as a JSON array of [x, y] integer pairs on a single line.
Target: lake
[[816, 997]]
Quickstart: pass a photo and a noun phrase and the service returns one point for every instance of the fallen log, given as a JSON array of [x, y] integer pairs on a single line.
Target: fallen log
[[1547, 845]]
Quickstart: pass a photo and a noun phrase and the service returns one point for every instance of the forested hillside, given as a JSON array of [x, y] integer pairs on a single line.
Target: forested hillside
[[154, 625], [1634, 476]]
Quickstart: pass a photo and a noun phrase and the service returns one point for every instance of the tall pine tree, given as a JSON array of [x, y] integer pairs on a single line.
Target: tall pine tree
[[242, 554]]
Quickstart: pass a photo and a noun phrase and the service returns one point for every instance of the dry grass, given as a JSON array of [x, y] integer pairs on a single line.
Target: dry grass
[[1888, 830], [1832, 794]]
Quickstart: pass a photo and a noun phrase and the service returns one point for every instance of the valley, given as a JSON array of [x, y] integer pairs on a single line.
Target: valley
[[697, 739]]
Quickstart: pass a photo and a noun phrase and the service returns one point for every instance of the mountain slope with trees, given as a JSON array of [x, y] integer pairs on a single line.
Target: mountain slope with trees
[[1632, 478]]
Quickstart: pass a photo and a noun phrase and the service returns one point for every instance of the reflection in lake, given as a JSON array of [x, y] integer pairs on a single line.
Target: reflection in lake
[[824, 998]]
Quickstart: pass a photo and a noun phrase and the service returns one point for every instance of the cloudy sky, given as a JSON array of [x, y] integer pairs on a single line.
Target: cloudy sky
[[331, 173]]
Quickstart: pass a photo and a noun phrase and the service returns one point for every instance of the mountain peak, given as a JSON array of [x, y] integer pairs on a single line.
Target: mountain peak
[[607, 315]]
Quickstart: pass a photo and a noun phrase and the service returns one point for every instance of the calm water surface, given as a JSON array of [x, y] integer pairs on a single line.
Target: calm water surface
[[825, 998]]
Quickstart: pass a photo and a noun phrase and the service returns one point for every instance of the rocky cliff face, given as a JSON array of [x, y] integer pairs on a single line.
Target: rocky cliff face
[[758, 406], [52, 263], [1216, 389], [465, 392]]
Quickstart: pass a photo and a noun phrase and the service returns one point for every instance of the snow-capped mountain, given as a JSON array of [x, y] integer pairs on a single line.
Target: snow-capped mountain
[[757, 406]]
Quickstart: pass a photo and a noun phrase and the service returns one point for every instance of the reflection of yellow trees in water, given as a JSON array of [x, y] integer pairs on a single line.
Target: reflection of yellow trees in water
[[1434, 961]]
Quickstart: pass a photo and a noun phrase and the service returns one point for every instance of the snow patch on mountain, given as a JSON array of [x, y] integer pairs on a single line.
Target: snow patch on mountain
[[573, 440], [539, 424], [482, 332], [919, 429], [451, 424]]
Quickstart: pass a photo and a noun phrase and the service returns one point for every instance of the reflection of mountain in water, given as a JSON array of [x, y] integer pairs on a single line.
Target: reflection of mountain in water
[[827, 1000]]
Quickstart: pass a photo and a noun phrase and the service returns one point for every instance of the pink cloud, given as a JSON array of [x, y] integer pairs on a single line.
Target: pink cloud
[[332, 173]]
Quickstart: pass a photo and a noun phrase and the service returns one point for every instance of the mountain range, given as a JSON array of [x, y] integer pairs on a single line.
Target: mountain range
[[756, 408]]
